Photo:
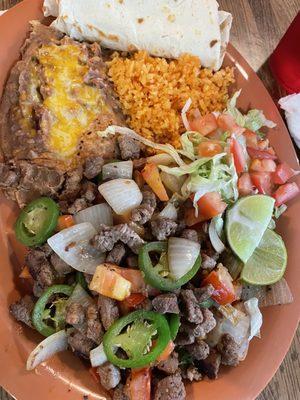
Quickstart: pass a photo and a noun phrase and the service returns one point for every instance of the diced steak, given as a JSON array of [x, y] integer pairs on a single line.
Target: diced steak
[[229, 350], [80, 344], [93, 167], [94, 326], [110, 375], [75, 314], [210, 366], [40, 268], [190, 306], [72, 184], [108, 310], [186, 334], [162, 228], [170, 388], [116, 255], [145, 211], [59, 265], [204, 293], [120, 393], [78, 205], [170, 365], [22, 309], [198, 350], [166, 303], [207, 325], [130, 149], [190, 234]]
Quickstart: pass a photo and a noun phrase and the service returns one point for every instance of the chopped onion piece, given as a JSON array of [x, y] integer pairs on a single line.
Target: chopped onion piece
[[47, 348], [277, 294], [231, 313], [98, 356], [119, 169], [170, 211], [123, 195], [183, 114], [182, 255], [160, 159], [213, 231], [72, 245], [171, 182], [79, 295], [256, 319], [96, 215]]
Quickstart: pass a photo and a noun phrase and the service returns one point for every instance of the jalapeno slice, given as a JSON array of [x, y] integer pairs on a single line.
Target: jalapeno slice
[[38, 313], [174, 324], [134, 334], [37, 221], [152, 276]]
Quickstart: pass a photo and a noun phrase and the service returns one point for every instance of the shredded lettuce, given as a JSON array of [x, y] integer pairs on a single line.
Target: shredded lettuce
[[253, 120], [278, 211]]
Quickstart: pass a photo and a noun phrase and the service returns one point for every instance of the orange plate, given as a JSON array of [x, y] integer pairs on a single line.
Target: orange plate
[[65, 376]]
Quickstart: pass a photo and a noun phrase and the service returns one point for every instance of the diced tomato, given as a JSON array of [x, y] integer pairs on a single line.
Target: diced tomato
[[245, 185], [209, 206], [94, 374], [139, 384], [204, 125], [227, 123], [264, 165], [283, 173], [285, 193], [167, 352], [238, 156], [251, 138], [151, 175], [261, 154], [221, 280], [64, 221], [262, 181], [209, 148], [134, 300]]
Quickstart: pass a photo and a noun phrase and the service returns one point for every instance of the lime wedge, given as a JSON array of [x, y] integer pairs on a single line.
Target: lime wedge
[[246, 223], [268, 262]]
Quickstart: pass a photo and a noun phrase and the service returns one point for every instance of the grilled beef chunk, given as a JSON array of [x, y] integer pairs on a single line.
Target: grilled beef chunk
[[210, 366], [191, 309], [208, 263], [132, 261], [94, 327], [170, 365], [166, 303], [40, 268], [185, 335], [207, 325], [75, 314], [144, 212], [204, 293], [59, 265], [120, 393], [72, 185], [162, 228], [170, 388], [110, 375], [22, 309], [80, 344], [130, 149], [191, 374], [108, 236], [190, 234], [77, 205], [116, 255], [198, 350], [108, 310], [93, 167], [229, 350]]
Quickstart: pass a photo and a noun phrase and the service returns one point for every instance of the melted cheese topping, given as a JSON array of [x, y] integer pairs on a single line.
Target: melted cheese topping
[[72, 105]]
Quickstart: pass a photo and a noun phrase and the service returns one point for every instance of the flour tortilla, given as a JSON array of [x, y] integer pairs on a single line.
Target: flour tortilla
[[164, 28]]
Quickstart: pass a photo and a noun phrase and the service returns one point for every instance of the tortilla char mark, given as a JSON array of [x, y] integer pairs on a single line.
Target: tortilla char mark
[[56, 99]]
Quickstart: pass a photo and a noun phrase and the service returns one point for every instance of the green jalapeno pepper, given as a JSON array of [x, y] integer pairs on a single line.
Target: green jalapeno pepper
[[152, 276], [37, 221], [133, 334], [174, 324], [38, 313], [81, 280]]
